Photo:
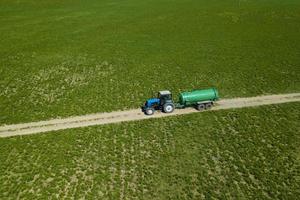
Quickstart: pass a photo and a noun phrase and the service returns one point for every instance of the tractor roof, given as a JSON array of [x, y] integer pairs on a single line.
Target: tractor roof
[[164, 92]]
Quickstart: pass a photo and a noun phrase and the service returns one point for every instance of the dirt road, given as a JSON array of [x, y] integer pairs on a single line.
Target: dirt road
[[136, 114]]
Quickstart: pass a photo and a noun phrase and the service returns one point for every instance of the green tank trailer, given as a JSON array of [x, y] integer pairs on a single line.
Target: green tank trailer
[[200, 99]]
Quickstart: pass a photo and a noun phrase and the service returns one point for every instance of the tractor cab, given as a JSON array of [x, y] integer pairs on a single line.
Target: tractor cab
[[164, 97], [163, 102]]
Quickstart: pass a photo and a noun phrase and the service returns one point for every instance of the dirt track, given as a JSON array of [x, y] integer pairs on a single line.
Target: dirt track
[[136, 114]]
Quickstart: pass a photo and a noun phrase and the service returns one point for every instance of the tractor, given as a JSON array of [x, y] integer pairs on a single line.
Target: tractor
[[200, 99], [163, 102]]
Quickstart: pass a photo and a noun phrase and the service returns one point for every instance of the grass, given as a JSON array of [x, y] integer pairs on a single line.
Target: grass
[[61, 58], [248, 153]]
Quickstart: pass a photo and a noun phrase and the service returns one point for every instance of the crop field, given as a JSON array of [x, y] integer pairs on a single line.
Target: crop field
[[248, 153], [62, 58]]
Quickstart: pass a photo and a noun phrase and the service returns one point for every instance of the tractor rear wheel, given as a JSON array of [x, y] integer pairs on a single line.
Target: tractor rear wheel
[[200, 107], [149, 111], [168, 108]]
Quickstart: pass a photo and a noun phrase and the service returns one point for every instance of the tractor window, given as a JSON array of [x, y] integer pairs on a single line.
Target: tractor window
[[165, 97]]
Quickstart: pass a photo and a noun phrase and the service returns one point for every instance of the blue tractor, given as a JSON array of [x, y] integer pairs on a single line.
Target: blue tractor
[[163, 102]]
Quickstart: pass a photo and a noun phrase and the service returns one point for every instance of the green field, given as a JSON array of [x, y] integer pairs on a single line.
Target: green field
[[62, 58], [234, 154]]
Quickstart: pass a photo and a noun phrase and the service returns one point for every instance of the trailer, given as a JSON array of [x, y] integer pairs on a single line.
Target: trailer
[[200, 99]]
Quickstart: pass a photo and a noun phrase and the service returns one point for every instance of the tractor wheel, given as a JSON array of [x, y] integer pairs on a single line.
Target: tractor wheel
[[149, 111], [208, 106], [200, 107], [168, 108]]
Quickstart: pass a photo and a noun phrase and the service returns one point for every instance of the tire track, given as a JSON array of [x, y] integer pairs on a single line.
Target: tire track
[[135, 114]]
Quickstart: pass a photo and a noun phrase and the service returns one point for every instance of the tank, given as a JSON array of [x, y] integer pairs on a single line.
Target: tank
[[192, 97]]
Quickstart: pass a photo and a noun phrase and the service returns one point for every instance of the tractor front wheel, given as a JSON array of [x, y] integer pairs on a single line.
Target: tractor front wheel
[[149, 111]]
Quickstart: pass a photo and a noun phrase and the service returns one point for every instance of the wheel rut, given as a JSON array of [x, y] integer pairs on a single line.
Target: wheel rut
[[135, 114]]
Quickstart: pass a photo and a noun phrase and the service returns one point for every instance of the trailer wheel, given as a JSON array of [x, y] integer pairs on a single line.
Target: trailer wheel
[[200, 107], [168, 108], [149, 111], [208, 106]]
